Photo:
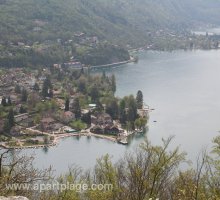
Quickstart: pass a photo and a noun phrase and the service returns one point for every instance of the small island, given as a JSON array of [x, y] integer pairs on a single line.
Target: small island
[[39, 107]]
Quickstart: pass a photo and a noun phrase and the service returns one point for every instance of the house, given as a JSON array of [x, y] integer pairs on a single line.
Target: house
[[102, 119], [112, 130], [97, 130], [68, 116], [21, 117], [29, 122], [16, 131], [92, 106], [73, 65], [46, 124], [142, 112]]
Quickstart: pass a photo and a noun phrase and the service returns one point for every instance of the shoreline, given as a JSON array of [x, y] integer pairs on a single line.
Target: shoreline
[[132, 59], [57, 141]]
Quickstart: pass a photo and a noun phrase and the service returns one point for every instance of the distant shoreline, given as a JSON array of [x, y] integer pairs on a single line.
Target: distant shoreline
[[132, 59]]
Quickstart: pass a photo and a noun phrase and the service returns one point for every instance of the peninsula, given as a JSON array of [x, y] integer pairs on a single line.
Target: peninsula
[[39, 107]]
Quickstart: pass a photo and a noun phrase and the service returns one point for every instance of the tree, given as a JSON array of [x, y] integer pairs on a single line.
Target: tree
[[103, 75], [94, 93], [113, 83], [47, 86], [86, 118], [36, 87], [9, 101], [11, 118], [82, 85], [67, 104], [22, 110], [46, 139], [122, 111], [17, 89], [139, 99], [4, 102], [145, 174], [16, 168], [50, 94], [76, 108], [24, 95], [137, 123], [112, 108], [132, 109], [140, 123], [78, 125], [9, 122]]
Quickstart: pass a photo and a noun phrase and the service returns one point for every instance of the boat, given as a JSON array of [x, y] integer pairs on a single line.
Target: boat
[[123, 141]]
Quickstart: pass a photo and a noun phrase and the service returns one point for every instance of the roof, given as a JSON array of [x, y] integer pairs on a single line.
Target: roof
[[92, 105], [47, 120], [68, 113]]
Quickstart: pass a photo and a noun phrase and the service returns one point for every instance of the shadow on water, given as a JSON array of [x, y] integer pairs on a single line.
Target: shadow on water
[[45, 150]]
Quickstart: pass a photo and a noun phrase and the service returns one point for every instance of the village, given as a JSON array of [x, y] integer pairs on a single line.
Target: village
[[39, 107]]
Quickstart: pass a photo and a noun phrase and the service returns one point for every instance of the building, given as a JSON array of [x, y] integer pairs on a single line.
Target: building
[[68, 116], [102, 119], [21, 117], [47, 124], [73, 65]]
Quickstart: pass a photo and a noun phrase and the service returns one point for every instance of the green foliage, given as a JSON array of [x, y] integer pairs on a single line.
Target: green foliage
[[140, 123], [9, 122], [24, 95], [67, 104], [103, 54], [78, 125], [120, 22], [47, 87], [17, 89], [139, 99], [112, 108], [76, 108]]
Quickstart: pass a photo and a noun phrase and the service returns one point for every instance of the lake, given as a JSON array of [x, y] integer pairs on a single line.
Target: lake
[[184, 89]]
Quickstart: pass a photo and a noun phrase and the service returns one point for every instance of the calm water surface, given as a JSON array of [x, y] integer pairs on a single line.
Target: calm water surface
[[182, 87]]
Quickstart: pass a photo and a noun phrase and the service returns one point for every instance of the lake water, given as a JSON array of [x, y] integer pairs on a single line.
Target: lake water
[[213, 31], [184, 89]]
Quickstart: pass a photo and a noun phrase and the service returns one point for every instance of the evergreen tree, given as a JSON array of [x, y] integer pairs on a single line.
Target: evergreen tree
[[112, 109], [122, 112], [86, 118], [17, 89], [132, 110], [47, 86], [67, 104], [103, 75], [9, 101], [139, 99], [10, 118], [36, 87], [24, 95], [4, 102], [94, 93], [45, 90], [99, 106], [76, 108], [82, 85], [6, 127], [22, 110], [50, 94], [113, 82]]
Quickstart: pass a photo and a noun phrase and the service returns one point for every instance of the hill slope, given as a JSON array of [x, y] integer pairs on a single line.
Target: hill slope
[[115, 20]]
